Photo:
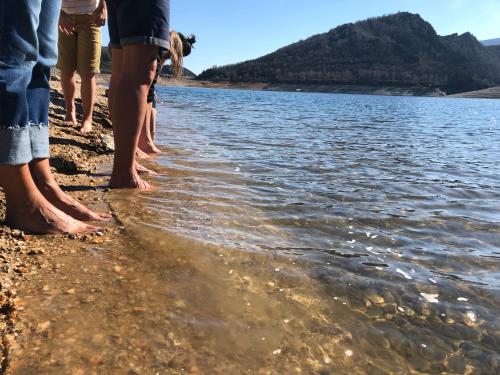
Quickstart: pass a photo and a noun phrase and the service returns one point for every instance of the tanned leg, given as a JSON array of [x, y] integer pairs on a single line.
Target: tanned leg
[[152, 124], [129, 92], [68, 83], [146, 143], [47, 185], [89, 90], [28, 210], [117, 64]]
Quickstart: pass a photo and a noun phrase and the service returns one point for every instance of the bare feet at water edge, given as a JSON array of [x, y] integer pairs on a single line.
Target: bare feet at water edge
[[149, 148], [141, 154], [141, 169], [50, 189], [71, 206], [129, 181]]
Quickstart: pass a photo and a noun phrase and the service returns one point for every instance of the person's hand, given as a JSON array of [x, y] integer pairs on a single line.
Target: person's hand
[[99, 16], [66, 24]]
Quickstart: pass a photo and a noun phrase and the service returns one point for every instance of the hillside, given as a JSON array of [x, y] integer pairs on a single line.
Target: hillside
[[491, 42], [400, 50], [106, 65]]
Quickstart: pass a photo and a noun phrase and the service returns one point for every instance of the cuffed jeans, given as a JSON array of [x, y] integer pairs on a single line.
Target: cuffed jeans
[[28, 50]]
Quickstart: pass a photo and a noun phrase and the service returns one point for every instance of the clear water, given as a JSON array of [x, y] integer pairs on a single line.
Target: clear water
[[299, 232]]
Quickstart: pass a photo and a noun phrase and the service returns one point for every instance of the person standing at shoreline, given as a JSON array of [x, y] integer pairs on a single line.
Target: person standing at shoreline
[[28, 50], [79, 47], [138, 32]]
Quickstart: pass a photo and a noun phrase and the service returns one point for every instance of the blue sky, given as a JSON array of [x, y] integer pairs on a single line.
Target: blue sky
[[230, 31]]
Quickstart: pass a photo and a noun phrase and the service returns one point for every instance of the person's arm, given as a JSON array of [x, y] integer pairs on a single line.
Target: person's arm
[[100, 14]]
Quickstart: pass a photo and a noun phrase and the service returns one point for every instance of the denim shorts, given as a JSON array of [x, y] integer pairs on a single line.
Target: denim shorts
[[28, 49], [139, 22]]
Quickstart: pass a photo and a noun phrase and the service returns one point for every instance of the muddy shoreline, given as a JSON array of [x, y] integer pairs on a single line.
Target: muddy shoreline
[[75, 159]]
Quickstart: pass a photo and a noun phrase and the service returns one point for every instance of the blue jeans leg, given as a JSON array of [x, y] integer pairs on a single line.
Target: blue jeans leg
[[38, 93], [28, 34]]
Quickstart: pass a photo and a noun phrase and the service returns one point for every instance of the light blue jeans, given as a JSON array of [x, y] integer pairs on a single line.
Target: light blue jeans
[[28, 50]]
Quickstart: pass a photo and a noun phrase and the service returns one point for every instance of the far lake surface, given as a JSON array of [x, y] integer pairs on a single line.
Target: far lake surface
[[296, 233]]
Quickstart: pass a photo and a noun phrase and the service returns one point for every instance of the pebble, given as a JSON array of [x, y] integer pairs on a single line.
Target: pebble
[[470, 318], [431, 298], [277, 351], [349, 353]]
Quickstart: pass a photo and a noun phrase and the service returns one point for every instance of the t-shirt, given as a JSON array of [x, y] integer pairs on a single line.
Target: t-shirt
[[79, 6]]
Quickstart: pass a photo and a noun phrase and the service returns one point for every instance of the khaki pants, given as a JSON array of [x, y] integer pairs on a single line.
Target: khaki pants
[[80, 51]]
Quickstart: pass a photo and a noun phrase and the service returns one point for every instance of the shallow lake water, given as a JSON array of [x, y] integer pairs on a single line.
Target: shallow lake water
[[291, 233]]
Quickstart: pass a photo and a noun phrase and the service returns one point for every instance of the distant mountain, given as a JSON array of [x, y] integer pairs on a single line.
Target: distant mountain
[[400, 49], [491, 42], [106, 65]]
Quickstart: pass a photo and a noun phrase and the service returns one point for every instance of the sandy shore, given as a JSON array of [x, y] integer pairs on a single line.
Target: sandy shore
[[491, 93], [340, 89], [75, 159]]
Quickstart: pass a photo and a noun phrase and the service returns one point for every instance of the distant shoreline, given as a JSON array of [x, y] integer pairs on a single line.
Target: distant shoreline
[[491, 93]]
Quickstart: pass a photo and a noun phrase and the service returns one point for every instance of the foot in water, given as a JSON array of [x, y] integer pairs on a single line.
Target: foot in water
[[129, 181], [44, 180], [69, 205], [141, 169], [141, 154], [86, 127], [149, 148]]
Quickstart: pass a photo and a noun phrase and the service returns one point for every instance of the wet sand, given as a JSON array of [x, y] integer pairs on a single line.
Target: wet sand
[[75, 160]]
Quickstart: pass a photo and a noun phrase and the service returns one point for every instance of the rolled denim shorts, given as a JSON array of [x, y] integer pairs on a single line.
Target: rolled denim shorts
[[28, 49], [139, 22]]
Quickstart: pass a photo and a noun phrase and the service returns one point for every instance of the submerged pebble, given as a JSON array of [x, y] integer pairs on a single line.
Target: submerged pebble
[[431, 298]]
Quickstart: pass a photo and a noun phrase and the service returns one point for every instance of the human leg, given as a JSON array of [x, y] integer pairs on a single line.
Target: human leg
[[146, 143], [152, 123], [141, 30], [66, 62], [89, 90], [129, 96], [89, 59], [28, 210], [38, 95], [22, 136], [68, 83], [46, 183]]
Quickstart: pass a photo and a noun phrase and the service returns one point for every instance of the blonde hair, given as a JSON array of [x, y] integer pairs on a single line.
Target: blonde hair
[[176, 54]]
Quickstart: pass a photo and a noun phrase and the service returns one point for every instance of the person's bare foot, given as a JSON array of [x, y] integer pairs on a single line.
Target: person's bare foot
[[41, 217], [141, 169], [69, 205], [141, 154], [129, 181], [149, 148], [70, 118], [86, 127]]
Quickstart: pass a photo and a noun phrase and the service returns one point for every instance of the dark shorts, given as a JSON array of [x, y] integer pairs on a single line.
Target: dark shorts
[[138, 22]]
